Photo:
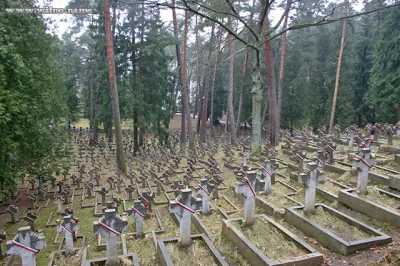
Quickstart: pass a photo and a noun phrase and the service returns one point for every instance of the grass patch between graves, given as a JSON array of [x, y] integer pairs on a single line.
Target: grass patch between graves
[[339, 227], [270, 240], [198, 254]]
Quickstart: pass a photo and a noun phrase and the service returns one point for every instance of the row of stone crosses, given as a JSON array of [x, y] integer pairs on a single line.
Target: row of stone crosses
[[27, 242]]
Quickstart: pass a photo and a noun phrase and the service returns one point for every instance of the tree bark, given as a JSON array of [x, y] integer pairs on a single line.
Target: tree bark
[[113, 90], [91, 103], [206, 82], [180, 76], [231, 115], [272, 115], [215, 79], [197, 99], [185, 86], [338, 69], [282, 70]]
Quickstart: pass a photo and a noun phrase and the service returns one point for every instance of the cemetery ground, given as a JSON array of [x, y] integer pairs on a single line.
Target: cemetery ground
[[76, 203]]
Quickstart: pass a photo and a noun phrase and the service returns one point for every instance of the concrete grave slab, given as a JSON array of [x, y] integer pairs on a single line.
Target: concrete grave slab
[[295, 217]]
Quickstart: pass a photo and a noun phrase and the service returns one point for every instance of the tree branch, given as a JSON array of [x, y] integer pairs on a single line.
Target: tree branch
[[325, 22]]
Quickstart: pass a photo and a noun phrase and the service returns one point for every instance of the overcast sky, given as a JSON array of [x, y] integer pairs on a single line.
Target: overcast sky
[[62, 21]]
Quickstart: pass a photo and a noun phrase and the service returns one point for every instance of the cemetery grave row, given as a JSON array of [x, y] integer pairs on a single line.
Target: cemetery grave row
[[325, 199]]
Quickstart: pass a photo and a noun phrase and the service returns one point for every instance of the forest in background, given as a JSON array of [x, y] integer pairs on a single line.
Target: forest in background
[[47, 83]]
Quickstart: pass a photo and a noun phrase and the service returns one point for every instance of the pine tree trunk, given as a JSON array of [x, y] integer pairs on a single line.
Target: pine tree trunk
[[113, 90], [185, 86], [282, 70], [206, 88], [180, 76], [244, 74], [272, 114], [91, 103], [231, 115], [197, 99], [338, 70], [256, 94], [214, 80]]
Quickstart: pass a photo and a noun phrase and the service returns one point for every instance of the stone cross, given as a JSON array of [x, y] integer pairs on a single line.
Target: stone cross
[[60, 184], [204, 189], [389, 132], [26, 244], [89, 188], [12, 210], [184, 206], [139, 211], [117, 185], [248, 187], [32, 181], [33, 199], [3, 237], [103, 192], [159, 182], [268, 171], [146, 198], [97, 179], [41, 192], [129, 189], [31, 217], [363, 163], [300, 160], [69, 226], [310, 180], [329, 147], [66, 193], [58, 201], [65, 173], [319, 159], [110, 180], [111, 225]]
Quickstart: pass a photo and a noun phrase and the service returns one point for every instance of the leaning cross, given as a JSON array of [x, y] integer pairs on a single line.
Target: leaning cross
[[204, 189], [139, 211], [184, 206], [111, 225], [26, 244], [310, 180], [69, 226]]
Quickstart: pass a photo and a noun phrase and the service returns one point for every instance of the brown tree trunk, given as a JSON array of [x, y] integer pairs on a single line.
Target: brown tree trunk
[[91, 103], [244, 74], [96, 115], [282, 70], [185, 86], [214, 80], [113, 90], [272, 115], [231, 115], [206, 88], [180, 75], [197, 99], [338, 69]]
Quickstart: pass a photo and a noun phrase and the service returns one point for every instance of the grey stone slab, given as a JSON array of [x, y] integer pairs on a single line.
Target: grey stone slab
[[331, 240], [165, 258], [350, 198], [256, 257]]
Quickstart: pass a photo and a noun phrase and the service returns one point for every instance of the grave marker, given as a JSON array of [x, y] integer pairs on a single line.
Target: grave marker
[[26, 244], [111, 225]]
